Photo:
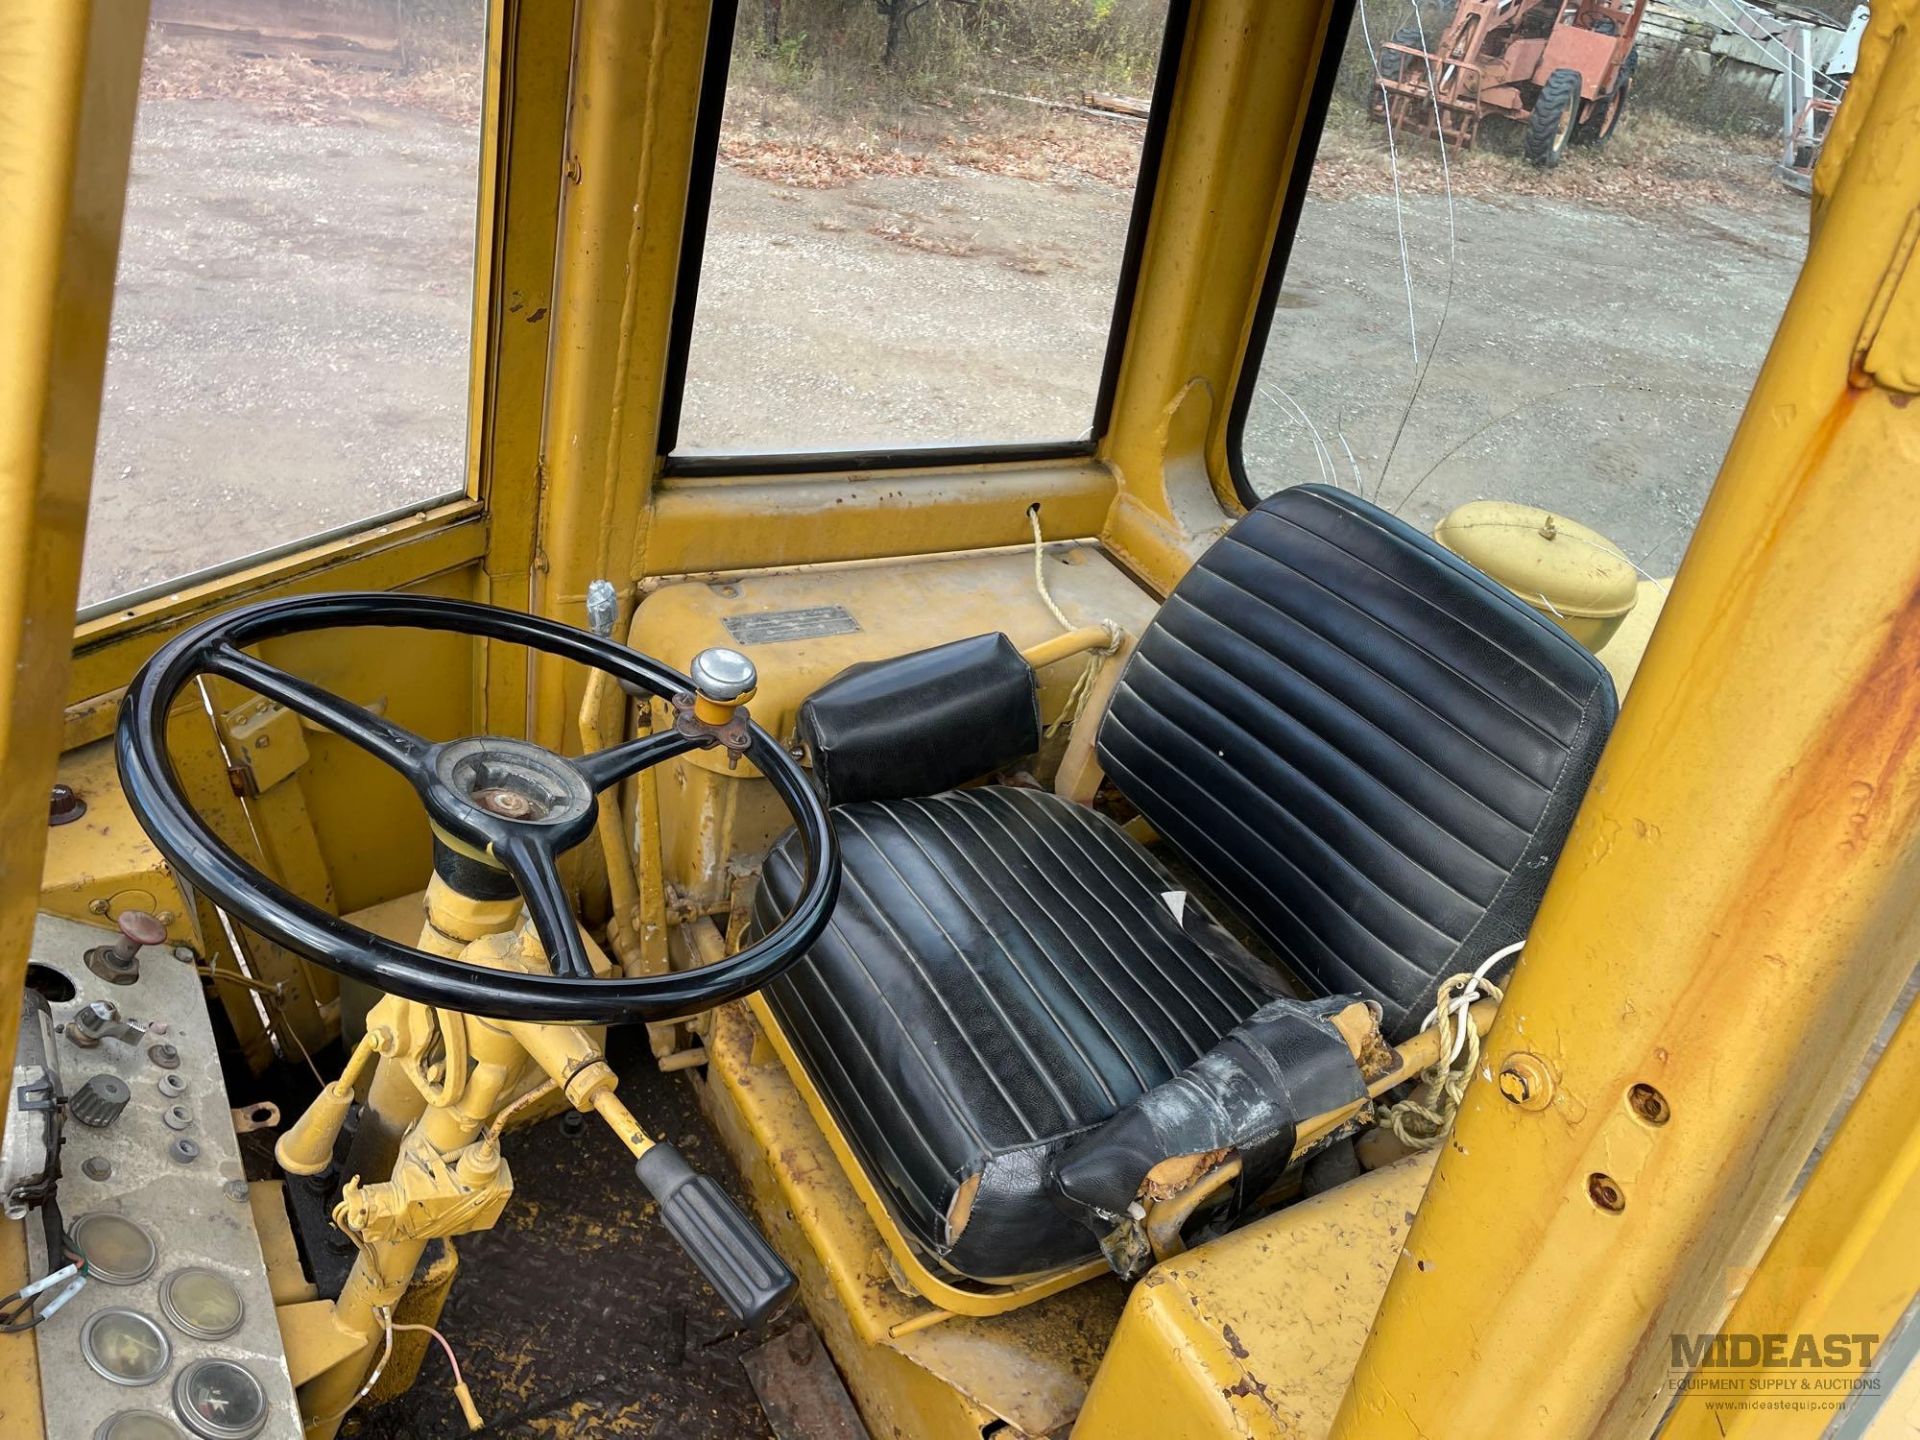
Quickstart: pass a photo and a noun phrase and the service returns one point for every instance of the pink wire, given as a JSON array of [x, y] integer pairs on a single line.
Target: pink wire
[[443, 1345]]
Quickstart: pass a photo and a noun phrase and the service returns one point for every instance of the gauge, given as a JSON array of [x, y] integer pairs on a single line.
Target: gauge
[[220, 1400], [125, 1346], [137, 1425], [201, 1302], [118, 1251]]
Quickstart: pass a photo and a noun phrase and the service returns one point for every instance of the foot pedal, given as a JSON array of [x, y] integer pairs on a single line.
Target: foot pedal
[[734, 1256]]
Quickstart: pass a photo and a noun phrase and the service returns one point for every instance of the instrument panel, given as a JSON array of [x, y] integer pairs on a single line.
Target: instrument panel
[[173, 1333]]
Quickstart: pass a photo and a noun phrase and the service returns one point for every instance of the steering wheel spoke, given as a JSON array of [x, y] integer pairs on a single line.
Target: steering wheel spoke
[[395, 745], [606, 768], [536, 870]]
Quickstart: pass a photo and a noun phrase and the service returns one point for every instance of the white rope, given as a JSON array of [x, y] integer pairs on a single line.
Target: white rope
[[1082, 691], [1422, 1120]]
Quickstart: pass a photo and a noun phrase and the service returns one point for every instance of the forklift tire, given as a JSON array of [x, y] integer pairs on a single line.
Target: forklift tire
[[1555, 112], [1603, 117]]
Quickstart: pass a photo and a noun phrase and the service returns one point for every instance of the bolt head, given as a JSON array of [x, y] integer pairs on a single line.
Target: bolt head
[[723, 675], [1525, 1081]]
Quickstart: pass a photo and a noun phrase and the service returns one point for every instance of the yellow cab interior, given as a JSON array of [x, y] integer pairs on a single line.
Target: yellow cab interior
[[1045, 902]]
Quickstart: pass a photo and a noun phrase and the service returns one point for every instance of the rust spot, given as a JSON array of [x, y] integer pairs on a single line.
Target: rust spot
[[1247, 1385], [1233, 1342]]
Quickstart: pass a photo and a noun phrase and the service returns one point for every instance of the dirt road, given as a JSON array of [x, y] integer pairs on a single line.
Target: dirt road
[[290, 338]]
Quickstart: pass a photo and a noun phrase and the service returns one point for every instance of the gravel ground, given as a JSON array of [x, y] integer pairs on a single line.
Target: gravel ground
[[1594, 363], [291, 335]]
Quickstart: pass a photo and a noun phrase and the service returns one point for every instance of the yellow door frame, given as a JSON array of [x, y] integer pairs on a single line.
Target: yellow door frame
[[1738, 904], [71, 73], [487, 529]]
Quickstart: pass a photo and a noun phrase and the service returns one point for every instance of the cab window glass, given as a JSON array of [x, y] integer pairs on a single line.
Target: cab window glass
[[918, 217], [1569, 310], [293, 316]]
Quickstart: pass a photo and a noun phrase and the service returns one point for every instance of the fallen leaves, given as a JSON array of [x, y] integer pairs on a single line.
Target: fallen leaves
[[296, 91]]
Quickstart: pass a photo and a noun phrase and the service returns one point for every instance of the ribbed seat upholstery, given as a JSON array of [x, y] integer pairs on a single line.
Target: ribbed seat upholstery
[[1365, 745], [1000, 974], [1370, 746]]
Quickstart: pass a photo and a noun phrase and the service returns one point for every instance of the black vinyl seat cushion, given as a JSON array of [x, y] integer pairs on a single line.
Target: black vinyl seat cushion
[[1374, 749], [1366, 746], [1001, 975]]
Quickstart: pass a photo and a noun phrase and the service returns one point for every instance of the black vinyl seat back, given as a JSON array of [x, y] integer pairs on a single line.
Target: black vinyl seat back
[[1366, 744]]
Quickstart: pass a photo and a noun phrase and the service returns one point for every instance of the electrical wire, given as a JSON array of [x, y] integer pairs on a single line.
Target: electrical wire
[[460, 1392], [452, 1359], [373, 1378], [1461, 999], [21, 1310], [270, 994]]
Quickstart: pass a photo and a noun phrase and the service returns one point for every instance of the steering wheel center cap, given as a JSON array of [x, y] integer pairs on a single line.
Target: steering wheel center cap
[[513, 780]]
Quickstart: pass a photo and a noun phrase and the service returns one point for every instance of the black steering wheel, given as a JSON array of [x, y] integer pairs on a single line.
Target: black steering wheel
[[510, 800]]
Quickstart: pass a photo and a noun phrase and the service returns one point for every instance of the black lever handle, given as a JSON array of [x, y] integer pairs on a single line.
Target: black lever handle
[[734, 1256]]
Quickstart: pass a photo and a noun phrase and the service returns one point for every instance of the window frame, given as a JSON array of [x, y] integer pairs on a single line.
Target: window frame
[[1292, 206], [853, 460], [421, 539]]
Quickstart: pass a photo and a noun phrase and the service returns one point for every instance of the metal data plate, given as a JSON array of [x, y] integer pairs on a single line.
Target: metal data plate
[[770, 627], [198, 1213]]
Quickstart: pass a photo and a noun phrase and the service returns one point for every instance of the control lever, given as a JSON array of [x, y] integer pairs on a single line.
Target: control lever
[[102, 1020], [730, 1251], [744, 1270]]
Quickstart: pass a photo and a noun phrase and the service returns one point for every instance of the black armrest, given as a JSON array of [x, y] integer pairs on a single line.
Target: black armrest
[[922, 723], [1283, 1064]]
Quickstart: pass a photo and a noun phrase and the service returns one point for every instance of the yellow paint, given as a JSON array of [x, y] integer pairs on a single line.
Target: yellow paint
[[1027, 1367], [1236, 129], [1567, 571], [286, 1276], [1745, 864], [102, 863], [523, 165], [1844, 1263], [1255, 1334], [636, 86], [20, 1417], [451, 537], [700, 526], [899, 606], [69, 73]]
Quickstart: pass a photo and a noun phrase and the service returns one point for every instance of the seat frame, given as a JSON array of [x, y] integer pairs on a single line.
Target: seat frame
[[953, 1295]]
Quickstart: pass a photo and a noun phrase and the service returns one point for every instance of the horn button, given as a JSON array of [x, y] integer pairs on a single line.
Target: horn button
[[513, 780]]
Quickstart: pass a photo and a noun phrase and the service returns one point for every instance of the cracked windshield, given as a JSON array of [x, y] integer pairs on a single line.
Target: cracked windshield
[[1552, 288], [293, 316]]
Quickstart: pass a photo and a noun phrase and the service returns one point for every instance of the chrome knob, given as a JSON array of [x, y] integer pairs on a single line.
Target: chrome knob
[[723, 676]]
